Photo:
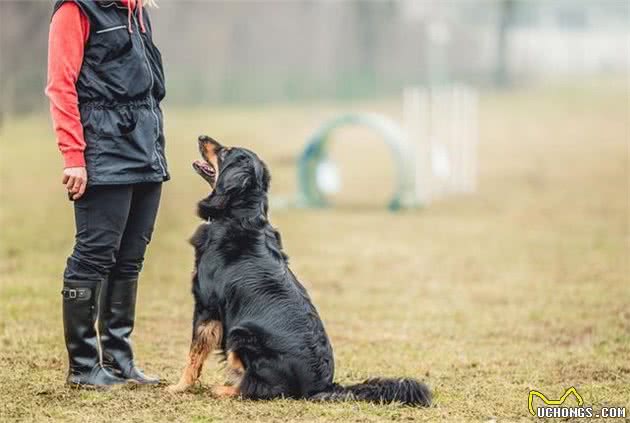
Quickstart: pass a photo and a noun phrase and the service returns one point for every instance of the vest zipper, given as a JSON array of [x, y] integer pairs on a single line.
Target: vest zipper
[[157, 120], [102, 31]]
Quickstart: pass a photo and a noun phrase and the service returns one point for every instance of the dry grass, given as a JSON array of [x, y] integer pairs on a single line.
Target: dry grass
[[523, 286]]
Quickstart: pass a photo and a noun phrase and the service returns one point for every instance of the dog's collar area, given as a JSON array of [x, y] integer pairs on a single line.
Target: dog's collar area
[[244, 218]]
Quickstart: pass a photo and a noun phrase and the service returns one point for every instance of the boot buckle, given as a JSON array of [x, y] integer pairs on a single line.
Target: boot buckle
[[69, 293], [80, 294]]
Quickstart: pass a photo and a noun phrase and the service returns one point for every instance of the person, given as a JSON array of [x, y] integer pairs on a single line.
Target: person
[[105, 85]]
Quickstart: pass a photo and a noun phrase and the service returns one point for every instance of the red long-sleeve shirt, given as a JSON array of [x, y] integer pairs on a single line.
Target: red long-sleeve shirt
[[69, 31]]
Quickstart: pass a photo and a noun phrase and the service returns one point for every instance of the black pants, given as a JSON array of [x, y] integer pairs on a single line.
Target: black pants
[[114, 224]]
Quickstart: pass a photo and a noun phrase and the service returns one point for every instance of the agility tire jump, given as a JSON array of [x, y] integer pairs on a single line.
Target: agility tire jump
[[316, 152]]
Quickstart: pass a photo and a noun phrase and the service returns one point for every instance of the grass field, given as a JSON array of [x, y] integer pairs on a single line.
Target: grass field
[[522, 286]]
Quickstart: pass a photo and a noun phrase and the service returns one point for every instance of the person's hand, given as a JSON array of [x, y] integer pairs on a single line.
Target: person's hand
[[75, 180]]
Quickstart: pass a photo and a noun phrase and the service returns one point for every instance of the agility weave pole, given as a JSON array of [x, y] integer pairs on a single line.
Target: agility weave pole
[[442, 130]]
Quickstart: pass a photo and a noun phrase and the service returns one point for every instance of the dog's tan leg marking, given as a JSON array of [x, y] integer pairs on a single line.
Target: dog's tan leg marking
[[226, 391], [234, 362], [208, 339], [235, 369]]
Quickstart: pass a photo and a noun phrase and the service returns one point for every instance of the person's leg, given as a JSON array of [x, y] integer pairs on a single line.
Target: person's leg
[[100, 217], [119, 304]]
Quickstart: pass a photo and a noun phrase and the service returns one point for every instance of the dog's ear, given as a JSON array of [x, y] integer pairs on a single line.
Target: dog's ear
[[263, 177], [232, 182], [238, 178], [215, 201], [209, 207]]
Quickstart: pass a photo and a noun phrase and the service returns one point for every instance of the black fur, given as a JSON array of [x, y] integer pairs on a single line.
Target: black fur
[[406, 391], [242, 279]]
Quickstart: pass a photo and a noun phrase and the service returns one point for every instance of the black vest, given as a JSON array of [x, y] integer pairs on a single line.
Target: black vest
[[120, 87]]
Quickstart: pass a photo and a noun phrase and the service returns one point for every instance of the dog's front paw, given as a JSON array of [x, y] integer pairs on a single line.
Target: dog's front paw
[[177, 388]]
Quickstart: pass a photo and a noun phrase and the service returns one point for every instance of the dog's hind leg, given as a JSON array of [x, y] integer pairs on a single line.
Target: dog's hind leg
[[226, 391], [207, 337], [259, 376], [235, 372]]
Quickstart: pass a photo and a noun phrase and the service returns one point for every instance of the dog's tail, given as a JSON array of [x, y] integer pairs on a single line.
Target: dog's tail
[[380, 390]]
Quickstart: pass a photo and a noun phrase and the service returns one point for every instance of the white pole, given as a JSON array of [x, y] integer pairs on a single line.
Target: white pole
[[415, 115], [440, 142], [474, 142], [442, 137], [470, 129], [458, 142]]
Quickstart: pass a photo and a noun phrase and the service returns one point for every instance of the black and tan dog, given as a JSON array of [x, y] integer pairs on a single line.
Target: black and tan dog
[[250, 305]]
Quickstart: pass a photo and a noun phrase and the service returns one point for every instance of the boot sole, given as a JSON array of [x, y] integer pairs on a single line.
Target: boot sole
[[88, 387], [135, 384]]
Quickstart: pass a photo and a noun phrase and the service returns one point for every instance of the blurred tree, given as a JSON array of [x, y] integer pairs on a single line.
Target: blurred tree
[[23, 36], [501, 73], [226, 51]]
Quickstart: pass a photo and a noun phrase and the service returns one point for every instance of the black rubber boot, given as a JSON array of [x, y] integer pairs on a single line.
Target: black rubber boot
[[116, 321], [79, 318]]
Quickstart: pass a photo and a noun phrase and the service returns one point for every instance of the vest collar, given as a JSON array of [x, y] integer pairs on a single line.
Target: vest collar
[[131, 6], [121, 4], [107, 3]]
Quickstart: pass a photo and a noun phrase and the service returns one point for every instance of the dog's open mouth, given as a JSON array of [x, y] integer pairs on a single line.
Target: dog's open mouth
[[206, 170]]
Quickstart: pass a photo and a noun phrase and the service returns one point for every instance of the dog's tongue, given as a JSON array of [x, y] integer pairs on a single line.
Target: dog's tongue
[[204, 166]]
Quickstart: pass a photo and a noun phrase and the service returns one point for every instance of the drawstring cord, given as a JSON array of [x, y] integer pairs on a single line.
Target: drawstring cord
[[130, 12], [129, 19], [140, 6]]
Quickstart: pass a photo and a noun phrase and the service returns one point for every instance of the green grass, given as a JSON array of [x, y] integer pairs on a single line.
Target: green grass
[[521, 286]]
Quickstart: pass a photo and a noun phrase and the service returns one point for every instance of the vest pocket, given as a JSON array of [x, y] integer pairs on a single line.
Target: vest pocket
[[115, 149], [111, 122], [111, 43]]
